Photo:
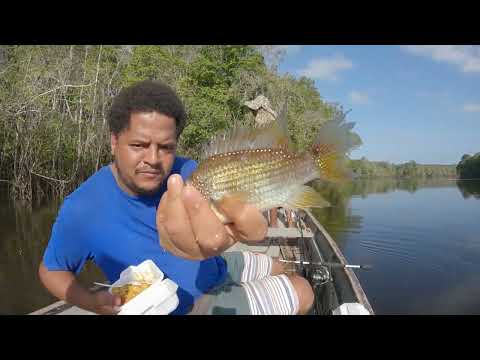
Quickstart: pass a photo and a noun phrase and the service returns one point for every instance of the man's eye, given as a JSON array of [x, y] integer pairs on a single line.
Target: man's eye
[[136, 145]]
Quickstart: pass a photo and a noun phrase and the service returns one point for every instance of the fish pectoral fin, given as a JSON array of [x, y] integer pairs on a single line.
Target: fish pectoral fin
[[216, 206], [305, 197]]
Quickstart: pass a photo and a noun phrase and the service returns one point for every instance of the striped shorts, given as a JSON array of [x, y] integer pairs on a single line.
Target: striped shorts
[[249, 289]]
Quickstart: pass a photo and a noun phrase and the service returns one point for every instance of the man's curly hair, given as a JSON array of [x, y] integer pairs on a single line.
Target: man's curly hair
[[145, 96]]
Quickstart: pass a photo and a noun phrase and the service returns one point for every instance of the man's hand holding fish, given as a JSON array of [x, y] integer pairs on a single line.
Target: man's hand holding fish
[[242, 173], [186, 219]]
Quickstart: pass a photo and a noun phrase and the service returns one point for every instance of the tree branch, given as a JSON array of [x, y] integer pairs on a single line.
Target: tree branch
[[51, 90], [49, 178]]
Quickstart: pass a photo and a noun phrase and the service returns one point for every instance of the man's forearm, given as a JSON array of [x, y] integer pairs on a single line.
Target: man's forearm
[[66, 287]]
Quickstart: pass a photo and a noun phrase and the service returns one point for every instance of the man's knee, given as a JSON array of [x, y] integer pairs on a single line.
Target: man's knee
[[304, 292]]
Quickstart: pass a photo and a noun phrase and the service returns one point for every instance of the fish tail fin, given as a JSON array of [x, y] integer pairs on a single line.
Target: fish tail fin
[[330, 150]]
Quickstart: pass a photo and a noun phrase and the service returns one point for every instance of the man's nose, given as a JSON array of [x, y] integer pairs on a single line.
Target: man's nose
[[153, 156]]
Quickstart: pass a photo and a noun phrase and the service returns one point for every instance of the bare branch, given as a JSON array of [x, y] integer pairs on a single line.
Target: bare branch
[[49, 178], [51, 90]]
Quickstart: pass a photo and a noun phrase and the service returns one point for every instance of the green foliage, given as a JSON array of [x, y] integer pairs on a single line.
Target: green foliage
[[469, 167], [154, 63], [370, 169], [54, 101]]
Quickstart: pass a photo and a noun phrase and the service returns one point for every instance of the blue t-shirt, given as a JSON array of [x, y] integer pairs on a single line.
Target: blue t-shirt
[[102, 223]]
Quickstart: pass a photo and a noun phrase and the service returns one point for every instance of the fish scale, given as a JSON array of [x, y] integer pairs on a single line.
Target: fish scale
[[263, 173]]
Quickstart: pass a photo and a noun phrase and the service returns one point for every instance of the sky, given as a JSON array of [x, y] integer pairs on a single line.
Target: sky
[[418, 103]]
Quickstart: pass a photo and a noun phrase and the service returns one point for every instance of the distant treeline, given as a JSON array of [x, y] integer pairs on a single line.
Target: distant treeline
[[469, 167], [54, 102], [370, 169]]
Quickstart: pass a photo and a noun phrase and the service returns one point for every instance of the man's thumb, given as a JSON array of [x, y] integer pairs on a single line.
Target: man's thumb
[[110, 299], [116, 300]]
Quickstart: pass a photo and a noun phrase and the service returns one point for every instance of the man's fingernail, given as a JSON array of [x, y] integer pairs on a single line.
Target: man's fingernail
[[174, 180], [174, 185]]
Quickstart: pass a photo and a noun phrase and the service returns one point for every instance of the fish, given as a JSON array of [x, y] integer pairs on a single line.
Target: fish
[[258, 166]]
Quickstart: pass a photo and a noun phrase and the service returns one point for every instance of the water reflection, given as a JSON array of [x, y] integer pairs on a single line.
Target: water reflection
[[364, 187], [24, 234], [425, 244], [340, 195], [469, 188], [340, 219]]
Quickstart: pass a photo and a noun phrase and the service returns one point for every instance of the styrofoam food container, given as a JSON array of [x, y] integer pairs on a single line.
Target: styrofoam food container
[[351, 309], [160, 298]]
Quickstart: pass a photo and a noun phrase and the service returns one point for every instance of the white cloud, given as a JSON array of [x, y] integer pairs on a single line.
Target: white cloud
[[471, 108], [326, 68], [358, 97], [467, 57]]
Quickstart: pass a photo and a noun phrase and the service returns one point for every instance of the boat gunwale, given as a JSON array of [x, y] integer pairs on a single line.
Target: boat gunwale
[[350, 275]]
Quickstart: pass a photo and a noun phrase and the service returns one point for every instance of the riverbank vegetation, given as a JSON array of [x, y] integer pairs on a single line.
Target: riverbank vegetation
[[370, 169], [54, 102]]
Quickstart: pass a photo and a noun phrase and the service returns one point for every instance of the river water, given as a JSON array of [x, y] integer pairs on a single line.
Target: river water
[[422, 238]]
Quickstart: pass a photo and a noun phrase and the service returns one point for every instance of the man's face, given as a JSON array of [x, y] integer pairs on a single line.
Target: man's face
[[144, 152]]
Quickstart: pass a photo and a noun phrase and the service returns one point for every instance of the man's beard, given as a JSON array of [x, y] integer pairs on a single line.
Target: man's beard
[[134, 188]]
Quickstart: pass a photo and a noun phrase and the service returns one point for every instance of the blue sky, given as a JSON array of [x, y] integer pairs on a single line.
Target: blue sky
[[417, 103]]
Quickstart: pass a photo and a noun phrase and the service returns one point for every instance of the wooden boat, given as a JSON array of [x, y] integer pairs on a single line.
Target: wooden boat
[[309, 251]]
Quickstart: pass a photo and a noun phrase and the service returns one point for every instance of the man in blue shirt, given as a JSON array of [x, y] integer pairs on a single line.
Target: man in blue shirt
[[112, 220]]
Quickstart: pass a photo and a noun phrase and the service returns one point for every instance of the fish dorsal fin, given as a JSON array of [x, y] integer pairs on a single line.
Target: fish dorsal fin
[[282, 127], [336, 132], [271, 135]]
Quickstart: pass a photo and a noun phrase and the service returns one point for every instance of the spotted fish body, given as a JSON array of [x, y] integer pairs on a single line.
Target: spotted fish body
[[265, 177], [257, 166]]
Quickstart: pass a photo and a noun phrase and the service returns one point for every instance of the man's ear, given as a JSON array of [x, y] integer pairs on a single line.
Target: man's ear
[[113, 142]]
